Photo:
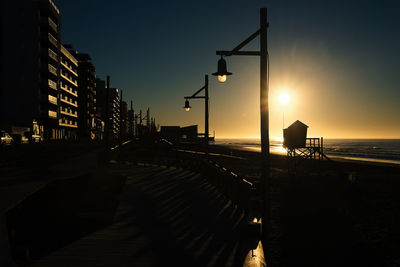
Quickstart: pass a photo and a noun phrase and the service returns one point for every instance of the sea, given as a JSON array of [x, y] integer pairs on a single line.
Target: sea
[[373, 150]]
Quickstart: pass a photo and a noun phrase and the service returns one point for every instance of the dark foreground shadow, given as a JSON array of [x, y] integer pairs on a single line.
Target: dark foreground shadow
[[166, 217], [61, 212]]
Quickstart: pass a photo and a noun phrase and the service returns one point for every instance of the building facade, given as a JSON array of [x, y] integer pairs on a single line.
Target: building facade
[[87, 96], [68, 95], [114, 110], [108, 109], [124, 120], [38, 76], [30, 48]]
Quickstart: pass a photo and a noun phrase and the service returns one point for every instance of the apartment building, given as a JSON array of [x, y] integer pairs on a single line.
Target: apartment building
[[114, 111], [124, 120], [108, 109], [87, 110], [30, 65], [68, 95]]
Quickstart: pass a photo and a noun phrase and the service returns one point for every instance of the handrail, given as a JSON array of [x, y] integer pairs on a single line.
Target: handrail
[[75, 103], [68, 55], [52, 69], [74, 93], [53, 39], [312, 142], [68, 79], [53, 54], [52, 24], [67, 112], [52, 114], [52, 99], [52, 84], [69, 68]]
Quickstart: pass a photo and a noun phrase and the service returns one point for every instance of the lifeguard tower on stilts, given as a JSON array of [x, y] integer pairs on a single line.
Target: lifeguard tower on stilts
[[297, 144]]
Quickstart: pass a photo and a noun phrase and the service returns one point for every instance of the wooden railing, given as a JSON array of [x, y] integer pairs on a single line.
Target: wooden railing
[[312, 142]]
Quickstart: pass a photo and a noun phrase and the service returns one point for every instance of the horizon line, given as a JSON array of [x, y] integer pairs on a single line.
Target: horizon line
[[280, 138]]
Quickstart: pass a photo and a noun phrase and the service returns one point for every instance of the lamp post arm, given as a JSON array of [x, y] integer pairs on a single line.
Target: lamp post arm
[[248, 40], [235, 51], [194, 95]]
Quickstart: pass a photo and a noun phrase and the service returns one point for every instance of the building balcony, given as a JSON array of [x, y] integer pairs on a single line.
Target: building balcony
[[53, 25], [52, 114], [52, 99], [52, 85], [69, 90], [68, 55], [52, 69], [53, 54], [69, 113], [69, 80], [69, 68], [67, 123], [53, 40], [72, 103]]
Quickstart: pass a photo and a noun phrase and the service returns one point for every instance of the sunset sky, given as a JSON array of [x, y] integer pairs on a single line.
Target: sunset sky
[[339, 61]]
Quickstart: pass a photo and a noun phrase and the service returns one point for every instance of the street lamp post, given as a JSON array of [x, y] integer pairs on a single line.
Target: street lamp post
[[222, 74], [205, 97]]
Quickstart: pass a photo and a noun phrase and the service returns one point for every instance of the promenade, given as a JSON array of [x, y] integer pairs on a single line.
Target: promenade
[[166, 217], [162, 215], [151, 205]]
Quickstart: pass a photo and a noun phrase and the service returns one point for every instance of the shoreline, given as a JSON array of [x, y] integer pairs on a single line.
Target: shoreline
[[347, 159]]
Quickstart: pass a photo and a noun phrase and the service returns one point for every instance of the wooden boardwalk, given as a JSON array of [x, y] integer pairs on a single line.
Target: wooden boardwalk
[[166, 217]]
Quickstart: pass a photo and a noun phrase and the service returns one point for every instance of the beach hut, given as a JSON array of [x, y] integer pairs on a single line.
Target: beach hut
[[295, 135]]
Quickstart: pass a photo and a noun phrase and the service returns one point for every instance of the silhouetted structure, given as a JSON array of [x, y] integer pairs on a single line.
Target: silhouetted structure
[[114, 112], [295, 135], [131, 122], [176, 134], [108, 107], [298, 145], [124, 120], [171, 133], [101, 111], [87, 96], [189, 133], [206, 109]]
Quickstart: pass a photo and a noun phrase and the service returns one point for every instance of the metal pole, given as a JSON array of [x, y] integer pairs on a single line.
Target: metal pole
[[148, 118], [131, 121], [107, 113], [206, 128], [264, 116], [120, 119], [140, 124]]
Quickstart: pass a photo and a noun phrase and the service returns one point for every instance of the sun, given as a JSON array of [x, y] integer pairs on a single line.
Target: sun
[[284, 98]]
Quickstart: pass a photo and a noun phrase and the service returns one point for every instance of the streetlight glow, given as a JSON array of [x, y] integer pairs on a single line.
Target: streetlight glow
[[187, 106], [222, 78]]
